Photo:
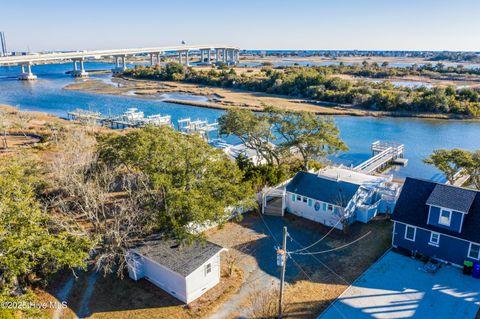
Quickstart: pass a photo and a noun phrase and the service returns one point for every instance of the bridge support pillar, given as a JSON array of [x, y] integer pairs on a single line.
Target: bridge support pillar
[[224, 56], [217, 51], [155, 58], [79, 73], [120, 64], [209, 56], [231, 56], [237, 56], [187, 63], [202, 56], [180, 57], [26, 74]]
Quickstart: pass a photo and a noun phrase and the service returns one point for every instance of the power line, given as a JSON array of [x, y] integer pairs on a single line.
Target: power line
[[325, 265], [333, 249], [300, 267], [328, 233], [310, 278]]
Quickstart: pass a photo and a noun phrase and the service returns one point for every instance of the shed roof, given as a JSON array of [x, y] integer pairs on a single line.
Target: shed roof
[[321, 188], [412, 208], [455, 198], [182, 259]]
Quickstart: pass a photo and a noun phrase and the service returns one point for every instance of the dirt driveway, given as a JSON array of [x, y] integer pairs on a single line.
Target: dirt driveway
[[313, 280]]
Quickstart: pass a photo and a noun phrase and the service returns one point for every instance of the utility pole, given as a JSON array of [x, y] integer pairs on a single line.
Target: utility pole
[[283, 256]]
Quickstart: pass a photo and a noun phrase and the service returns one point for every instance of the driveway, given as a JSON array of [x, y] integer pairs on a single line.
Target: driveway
[[395, 287], [255, 238]]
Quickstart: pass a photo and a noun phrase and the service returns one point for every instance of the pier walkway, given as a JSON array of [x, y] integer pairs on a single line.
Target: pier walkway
[[383, 153]]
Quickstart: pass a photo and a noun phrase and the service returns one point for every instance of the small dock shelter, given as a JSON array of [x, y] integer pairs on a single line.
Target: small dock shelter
[[184, 271]]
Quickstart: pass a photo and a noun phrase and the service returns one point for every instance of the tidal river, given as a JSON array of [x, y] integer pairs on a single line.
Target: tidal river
[[419, 136]]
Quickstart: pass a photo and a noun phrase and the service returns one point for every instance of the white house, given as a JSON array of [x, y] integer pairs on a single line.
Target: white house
[[184, 271], [337, 196]]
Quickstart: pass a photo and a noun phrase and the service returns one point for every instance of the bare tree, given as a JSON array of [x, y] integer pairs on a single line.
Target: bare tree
[[106, 202]]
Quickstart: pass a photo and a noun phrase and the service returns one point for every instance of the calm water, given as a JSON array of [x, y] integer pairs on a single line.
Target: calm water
[[419, 136]]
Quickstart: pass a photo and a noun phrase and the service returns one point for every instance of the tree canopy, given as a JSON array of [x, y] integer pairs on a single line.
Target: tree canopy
[[296, 133], [189, 182], [455, 163], [310, 135], [32, 243]]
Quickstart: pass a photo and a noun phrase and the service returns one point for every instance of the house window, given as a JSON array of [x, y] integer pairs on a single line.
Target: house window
[[293, 197], [434, 238], [208, 269], [445, 216], [330, 208], [410, 233], [474, 251], [310, 202], [304, 199], [299, 198]]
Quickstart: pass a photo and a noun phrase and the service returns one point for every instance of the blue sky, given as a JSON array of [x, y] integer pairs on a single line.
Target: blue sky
[[261, 24]]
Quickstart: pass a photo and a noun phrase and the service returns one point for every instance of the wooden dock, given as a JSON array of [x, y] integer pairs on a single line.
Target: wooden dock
[[383, 154], [85, 116]]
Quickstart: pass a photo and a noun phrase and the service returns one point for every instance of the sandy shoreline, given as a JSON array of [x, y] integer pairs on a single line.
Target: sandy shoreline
[[223, 99]]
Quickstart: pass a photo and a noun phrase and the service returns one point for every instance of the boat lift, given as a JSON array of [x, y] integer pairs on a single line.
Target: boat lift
[[198, 126]]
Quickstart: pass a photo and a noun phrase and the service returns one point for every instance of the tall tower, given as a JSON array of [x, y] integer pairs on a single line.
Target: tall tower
[[3, 51]]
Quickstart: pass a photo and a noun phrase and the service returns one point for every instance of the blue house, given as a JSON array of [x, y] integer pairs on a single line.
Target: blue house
[[438, 220], [337, 196]]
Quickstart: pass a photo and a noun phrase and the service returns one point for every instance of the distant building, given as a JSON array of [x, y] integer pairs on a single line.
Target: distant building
[[438, 221], [185, 272], [338, 196]]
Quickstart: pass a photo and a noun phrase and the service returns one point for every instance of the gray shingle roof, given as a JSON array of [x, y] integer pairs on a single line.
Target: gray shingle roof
[[322, 189], [412, 209], [182, 259], [451, 197]]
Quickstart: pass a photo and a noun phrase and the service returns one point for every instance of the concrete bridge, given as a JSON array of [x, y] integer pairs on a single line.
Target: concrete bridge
[[222, 54]]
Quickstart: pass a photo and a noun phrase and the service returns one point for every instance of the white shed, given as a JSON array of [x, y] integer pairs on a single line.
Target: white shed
[[184, 271]]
